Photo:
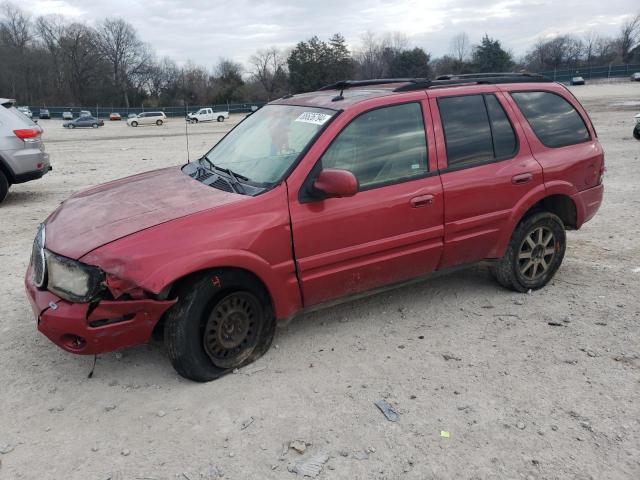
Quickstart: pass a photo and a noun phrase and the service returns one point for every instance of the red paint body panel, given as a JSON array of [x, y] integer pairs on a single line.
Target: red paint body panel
[[479, 200], [102, 214], [253, 234], [70, 319], [150, 230]]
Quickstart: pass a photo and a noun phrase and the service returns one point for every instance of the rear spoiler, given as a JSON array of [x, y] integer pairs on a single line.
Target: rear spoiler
[[7, 102]]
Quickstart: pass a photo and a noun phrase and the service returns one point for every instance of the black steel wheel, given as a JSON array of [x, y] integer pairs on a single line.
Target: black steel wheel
[[232, 329], [223, 320]]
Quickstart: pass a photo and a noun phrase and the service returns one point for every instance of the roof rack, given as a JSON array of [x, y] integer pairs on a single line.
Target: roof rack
[[441, 81], [344, 84]]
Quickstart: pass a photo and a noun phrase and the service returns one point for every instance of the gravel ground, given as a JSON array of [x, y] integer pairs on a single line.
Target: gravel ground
[[519, 397]]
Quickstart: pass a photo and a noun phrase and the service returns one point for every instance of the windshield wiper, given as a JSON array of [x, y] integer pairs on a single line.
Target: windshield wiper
[[237, 185]]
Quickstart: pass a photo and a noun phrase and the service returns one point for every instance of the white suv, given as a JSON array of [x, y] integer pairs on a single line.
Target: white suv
[[147, 118]]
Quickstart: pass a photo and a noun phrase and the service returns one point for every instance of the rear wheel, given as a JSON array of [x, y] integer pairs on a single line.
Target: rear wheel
[[636, 132], [4, 187], [134, 124], [221, 118], [223, 320], [535, 253], [158, 122], [94, 125]]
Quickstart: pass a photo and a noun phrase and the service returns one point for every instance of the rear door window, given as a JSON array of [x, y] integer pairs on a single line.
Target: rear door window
[[477, 130], [553, 119]]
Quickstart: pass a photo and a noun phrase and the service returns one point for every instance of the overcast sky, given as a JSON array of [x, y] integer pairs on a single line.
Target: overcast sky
[[205, 30]]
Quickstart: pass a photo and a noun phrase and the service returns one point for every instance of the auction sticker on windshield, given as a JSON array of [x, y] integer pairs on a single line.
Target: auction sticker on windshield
[[313, 117]]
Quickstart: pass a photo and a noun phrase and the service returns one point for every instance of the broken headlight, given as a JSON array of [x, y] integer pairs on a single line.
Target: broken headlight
[[72, 280]]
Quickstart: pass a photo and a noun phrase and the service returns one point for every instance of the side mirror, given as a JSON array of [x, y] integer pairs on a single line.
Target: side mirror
[[336, 183]]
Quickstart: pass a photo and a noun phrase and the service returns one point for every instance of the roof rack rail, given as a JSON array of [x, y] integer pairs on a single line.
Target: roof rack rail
[[344, 84], [474, 78], [441, 81]]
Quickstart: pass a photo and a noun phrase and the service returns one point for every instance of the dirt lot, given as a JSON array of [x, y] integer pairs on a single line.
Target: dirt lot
[[519, 397]]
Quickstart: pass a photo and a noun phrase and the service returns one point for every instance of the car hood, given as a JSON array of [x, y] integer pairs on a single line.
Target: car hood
[[102, 214]]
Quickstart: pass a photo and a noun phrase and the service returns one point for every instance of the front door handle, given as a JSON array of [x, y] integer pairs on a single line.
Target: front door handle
[[422, 201], [521, 178]]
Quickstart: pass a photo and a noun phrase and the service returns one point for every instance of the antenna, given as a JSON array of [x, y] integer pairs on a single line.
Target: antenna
[[186, 129]]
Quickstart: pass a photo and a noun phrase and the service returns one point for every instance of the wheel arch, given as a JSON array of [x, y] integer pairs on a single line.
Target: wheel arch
[[560, 200], [279, 281]]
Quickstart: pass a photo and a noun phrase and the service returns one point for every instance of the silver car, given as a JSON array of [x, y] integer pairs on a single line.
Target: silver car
[[22, 155], [147, 118]]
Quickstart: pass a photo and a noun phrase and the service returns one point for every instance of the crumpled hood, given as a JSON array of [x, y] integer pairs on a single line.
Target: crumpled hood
[[102, 214]]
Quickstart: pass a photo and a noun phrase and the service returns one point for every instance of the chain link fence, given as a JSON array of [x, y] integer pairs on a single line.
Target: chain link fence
[[589, 73], [100, 111]]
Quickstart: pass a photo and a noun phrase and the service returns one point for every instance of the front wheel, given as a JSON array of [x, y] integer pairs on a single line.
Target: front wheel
[[158, 122], [223, 320], [221, 118], [94, 125], [636, 132], [534, 254]]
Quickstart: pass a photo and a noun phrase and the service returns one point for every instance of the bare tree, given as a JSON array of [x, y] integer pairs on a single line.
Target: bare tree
[[81, 59], [591, 39], [126, 54], [268, 67], [376, 54], [629, 38], [460, 47], [15, 29]]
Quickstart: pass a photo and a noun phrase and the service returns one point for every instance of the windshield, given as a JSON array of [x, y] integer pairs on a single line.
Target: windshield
[[267, 143]]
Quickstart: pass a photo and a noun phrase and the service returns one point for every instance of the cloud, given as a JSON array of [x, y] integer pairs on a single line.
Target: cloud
[[204, 31]]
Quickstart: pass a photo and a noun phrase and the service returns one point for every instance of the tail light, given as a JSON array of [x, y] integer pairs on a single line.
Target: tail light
[[28, 133]]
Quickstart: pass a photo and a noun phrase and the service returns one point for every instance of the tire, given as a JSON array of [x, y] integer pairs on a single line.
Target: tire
[[134, 124], [4, 187], [159, 122], [636, 132], [199, 331], [530, 261], [221, 118], [94, 125], [72, 126]]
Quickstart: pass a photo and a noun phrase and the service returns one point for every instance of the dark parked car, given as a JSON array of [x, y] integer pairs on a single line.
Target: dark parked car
[[84, 122], [316, 197], [44, 114], [577, 81]]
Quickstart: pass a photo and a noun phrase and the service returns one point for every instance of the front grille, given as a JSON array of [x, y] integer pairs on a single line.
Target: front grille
[[38, 262]]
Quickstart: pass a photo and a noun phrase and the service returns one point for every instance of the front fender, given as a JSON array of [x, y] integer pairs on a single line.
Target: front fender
[[280, 279]]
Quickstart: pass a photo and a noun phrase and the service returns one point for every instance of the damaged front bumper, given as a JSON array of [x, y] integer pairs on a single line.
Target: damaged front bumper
[[87, 330]]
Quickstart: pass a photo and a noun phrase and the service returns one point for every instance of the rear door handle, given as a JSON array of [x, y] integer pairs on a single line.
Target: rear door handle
[[521, 178], [422, 201]]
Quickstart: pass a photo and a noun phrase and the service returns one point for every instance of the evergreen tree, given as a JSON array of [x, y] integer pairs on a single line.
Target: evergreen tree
[[489, 56]]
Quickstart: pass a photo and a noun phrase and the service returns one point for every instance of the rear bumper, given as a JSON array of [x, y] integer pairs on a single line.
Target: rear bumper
[[588, 202], [112, 325], [28, 164]]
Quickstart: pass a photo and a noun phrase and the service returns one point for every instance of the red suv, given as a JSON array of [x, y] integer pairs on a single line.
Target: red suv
[[316, 197]]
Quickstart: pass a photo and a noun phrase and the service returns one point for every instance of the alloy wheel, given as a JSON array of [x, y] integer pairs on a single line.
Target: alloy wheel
[[537, 252]]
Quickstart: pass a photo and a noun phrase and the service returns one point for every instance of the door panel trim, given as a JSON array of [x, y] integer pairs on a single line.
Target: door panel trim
[[374, 249]]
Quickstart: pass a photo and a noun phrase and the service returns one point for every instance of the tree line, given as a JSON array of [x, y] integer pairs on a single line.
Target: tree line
[[48, 60]]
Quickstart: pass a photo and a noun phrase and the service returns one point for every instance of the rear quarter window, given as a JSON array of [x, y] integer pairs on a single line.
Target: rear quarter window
[[553, 119]]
